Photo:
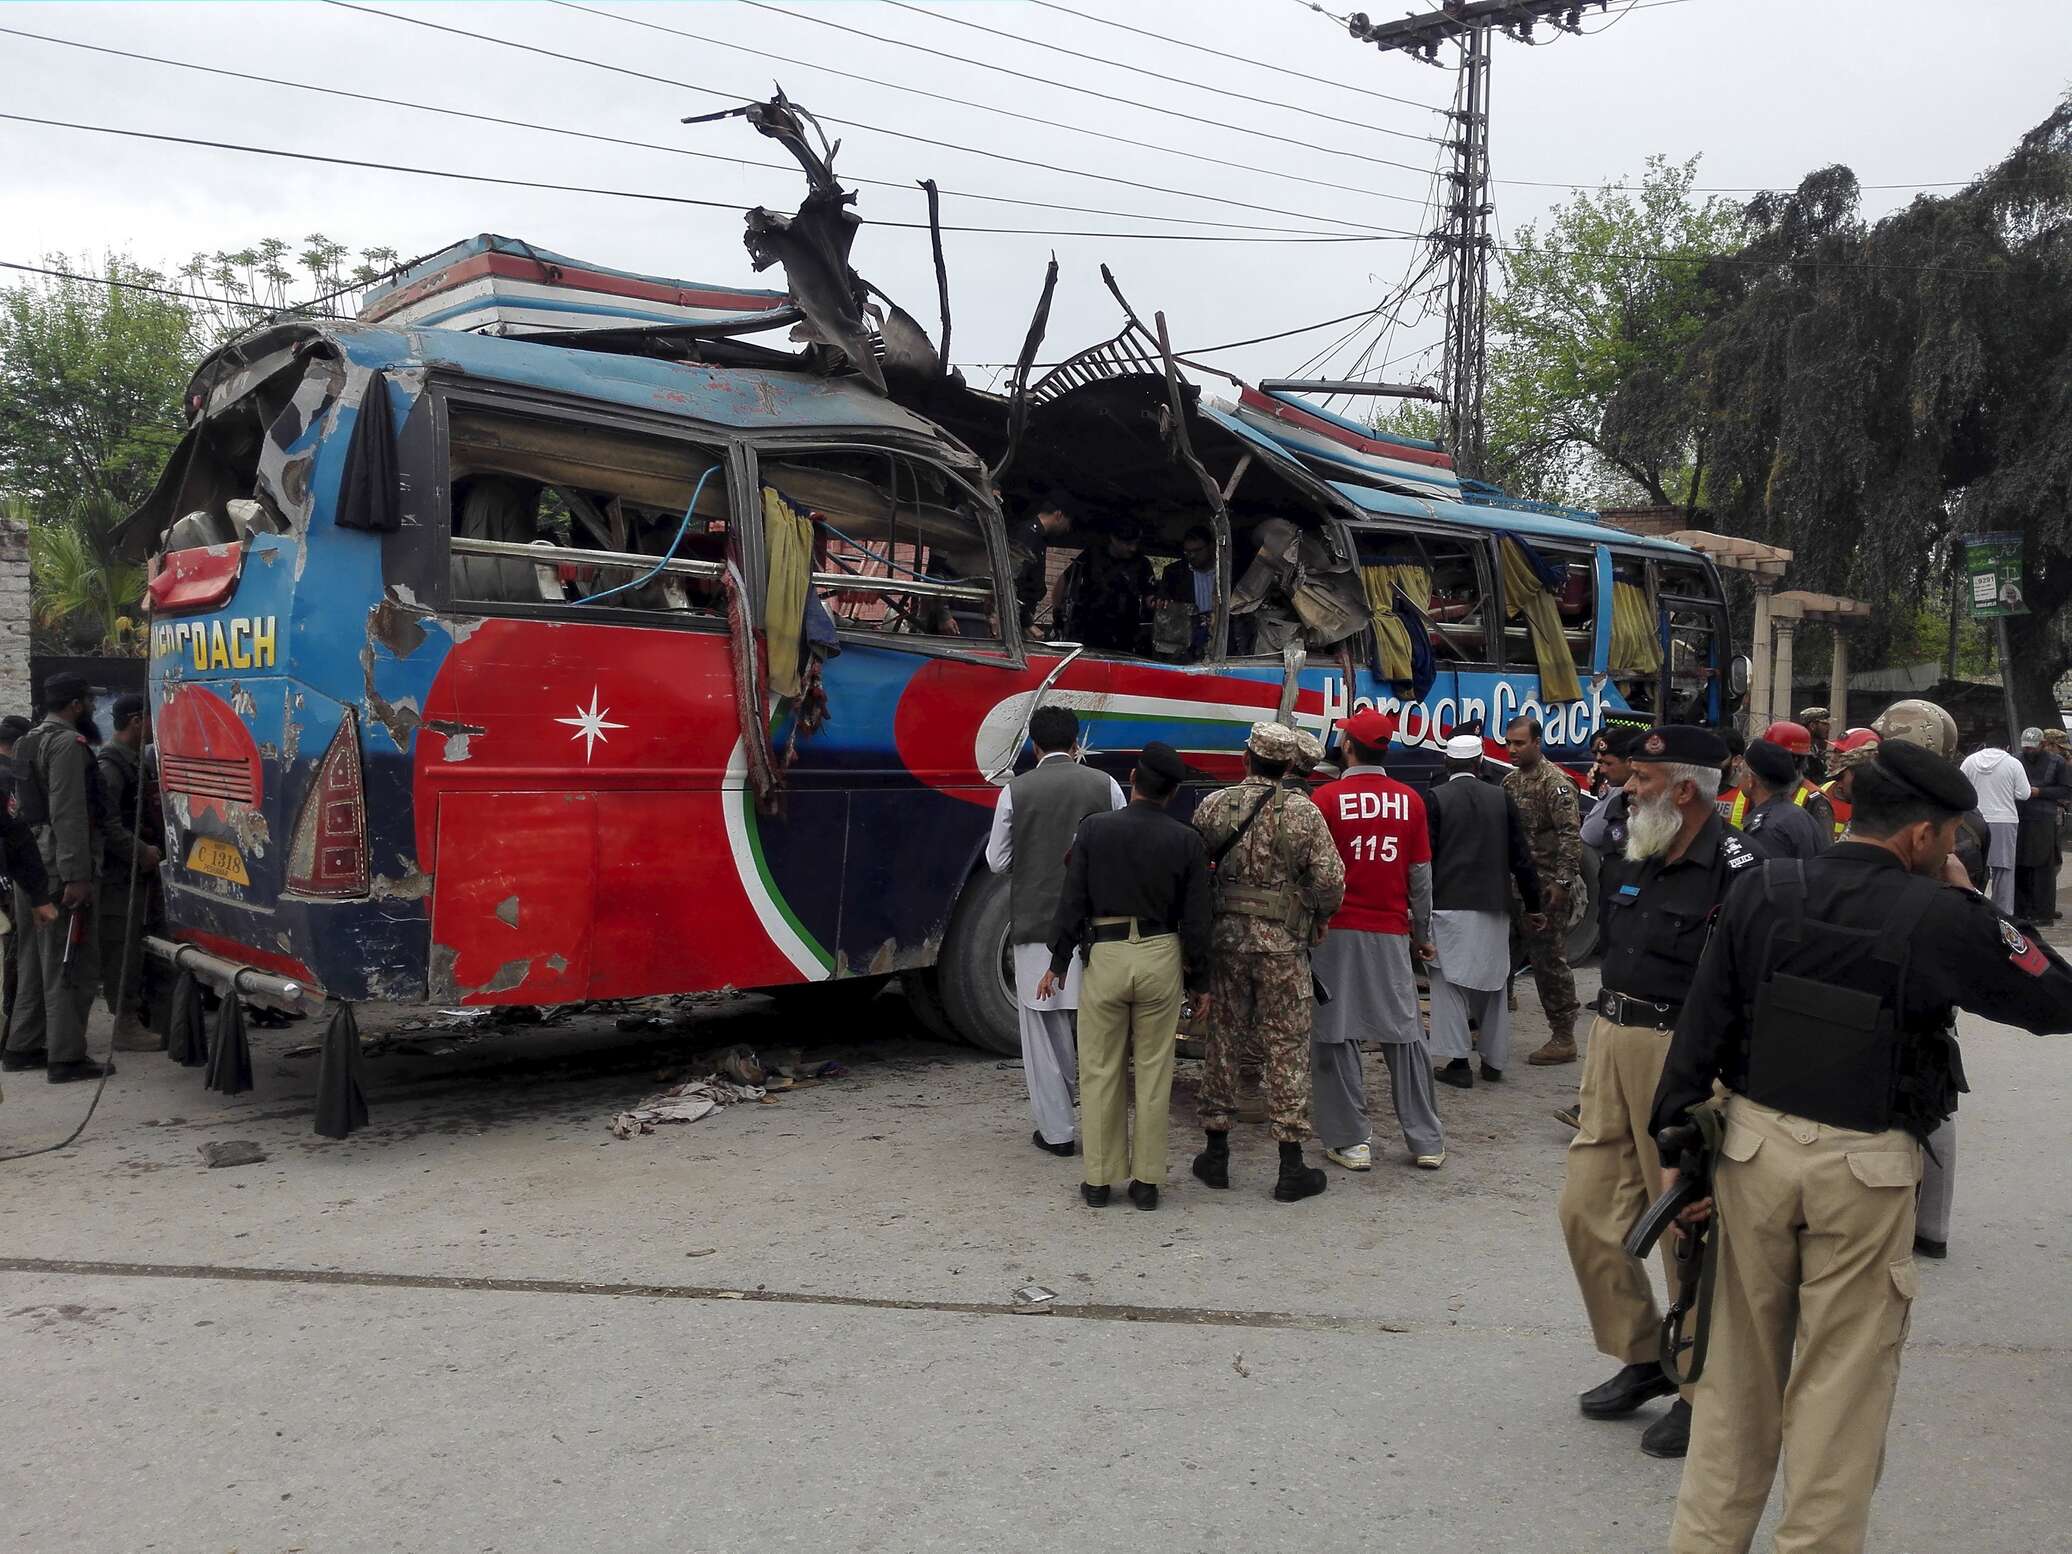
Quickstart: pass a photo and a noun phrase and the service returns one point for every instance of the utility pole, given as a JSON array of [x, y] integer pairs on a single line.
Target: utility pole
[[1463, 234]]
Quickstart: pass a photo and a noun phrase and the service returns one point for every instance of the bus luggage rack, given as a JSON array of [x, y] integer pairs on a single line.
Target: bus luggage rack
[[208, 777], [1131, 354]]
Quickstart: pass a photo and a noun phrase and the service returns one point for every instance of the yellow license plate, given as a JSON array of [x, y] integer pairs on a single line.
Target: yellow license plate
[[210, 856]]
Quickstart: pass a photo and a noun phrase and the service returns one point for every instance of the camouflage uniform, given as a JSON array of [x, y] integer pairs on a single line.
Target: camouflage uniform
[[1552, 816], [1259, 983]]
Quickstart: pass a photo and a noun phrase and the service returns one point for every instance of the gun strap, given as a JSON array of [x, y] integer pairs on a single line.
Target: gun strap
[[1223, 848]]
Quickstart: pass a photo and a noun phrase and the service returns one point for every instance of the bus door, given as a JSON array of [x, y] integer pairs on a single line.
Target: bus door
[[1691, 633]]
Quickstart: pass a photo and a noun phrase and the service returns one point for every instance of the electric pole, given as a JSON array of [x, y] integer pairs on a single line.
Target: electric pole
[[1463, 233]]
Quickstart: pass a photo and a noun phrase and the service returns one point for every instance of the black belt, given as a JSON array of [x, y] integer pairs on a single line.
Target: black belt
[[1108, 933], [1643, 1013]]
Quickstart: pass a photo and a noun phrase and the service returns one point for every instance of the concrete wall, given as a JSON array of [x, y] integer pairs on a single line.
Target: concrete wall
[[14, 618]]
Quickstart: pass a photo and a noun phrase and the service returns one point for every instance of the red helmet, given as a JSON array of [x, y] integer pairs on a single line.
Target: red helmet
[[1856, 739], [1794, 737]]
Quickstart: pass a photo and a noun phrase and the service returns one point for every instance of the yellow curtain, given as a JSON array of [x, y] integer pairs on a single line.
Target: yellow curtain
[[1390, 632], [1525, 594], [788, 542], [1635, 642]]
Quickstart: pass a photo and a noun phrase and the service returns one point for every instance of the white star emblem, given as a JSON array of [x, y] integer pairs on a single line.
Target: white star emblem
[[589, 725]]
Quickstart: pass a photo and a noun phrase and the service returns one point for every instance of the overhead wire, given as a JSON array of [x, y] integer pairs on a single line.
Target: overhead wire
[[1202, 48], [983, 107], [1110, 97], [616, 140], [670, 199], [948, 145]]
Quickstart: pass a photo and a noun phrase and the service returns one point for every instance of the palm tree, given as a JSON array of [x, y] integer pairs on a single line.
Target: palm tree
[[85, 601]]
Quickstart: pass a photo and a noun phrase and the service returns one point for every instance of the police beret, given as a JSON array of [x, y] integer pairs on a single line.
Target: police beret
[[1927, 774], [1370, 726], [1273, 742], [64, 687], [1621, 741], [1772, 763], [1162, 761], [1680, 744]]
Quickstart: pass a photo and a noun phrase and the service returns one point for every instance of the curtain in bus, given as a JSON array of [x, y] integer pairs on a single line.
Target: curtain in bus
[[1529, 585], [367, 489], [1635, 642], [788, 543], [1399, 594]]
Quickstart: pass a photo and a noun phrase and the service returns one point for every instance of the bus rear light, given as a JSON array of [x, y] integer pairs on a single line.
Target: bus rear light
[[328, 856], [198, 578]]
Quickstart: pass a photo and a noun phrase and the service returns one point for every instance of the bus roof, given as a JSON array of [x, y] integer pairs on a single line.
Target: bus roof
[[737, 397]]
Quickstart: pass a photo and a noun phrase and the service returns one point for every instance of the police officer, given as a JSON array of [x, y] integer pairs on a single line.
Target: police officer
[[1776, 825], [1656, 905], [1551, 811], [58, 795], [126, 914], [1136, 896], [1278, 879], [1823, 1003], [1797, 741]]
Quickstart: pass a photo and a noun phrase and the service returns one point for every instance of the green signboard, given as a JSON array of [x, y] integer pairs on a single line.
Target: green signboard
[[1993, 566]]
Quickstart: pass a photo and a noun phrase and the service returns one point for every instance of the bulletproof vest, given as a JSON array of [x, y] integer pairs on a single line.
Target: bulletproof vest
[[1833, 1039], [1278, 901], [31, 792]]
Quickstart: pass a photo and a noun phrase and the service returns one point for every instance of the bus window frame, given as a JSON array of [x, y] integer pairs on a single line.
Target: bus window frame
[[1483, 548], [1347, 531], [1009, 652], [1565, 551], [1713, 605], [522, 403]]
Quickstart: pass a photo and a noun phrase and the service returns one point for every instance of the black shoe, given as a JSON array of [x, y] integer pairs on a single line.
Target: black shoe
[[1923, 1247], [1212, 1165], [71, 1073], [1625, 1392], [1298, 1181], [1458, 1074], [15, 1062], [1669, 1436], [1144, 1195], [1045, 1144], [1096, 1197], [1494, 1075]]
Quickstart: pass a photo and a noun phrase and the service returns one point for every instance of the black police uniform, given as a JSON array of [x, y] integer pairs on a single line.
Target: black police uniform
[[1653, 916], [1824, 1004], [1779, 827]]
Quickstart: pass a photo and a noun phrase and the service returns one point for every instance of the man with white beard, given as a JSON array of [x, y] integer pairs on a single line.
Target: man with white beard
[[1655, 910]]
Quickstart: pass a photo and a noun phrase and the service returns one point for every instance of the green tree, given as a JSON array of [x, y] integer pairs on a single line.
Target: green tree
[[1584, 403]]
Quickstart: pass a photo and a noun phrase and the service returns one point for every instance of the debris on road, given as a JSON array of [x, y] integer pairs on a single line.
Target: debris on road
[[1033, 1297], [231, 1152], [685, 1103]]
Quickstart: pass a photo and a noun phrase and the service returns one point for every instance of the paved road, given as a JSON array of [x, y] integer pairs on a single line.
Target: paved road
[[484, 1324]]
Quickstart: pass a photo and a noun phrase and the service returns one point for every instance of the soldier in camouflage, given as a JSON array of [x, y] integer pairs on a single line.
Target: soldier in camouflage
[[1551, 812], [1278, 879]]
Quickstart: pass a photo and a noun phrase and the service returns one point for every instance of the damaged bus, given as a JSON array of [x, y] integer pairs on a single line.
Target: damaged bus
[[591, 650]]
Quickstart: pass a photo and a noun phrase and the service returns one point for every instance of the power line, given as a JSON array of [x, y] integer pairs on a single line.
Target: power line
[[668, 199], [1009, 113], [615, 140], [105, 280], [1110, 97], [1202, 48], [947, 145]]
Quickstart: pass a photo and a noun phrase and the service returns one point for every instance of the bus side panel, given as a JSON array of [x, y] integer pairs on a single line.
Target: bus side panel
[[512, 915]]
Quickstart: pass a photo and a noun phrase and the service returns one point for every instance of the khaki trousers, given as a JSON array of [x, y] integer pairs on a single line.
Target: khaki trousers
[[1817, 1253], [1129, 1001], [1614, 1172]]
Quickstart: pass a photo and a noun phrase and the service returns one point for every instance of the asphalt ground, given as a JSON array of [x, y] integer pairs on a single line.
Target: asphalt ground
[[484, 1323]]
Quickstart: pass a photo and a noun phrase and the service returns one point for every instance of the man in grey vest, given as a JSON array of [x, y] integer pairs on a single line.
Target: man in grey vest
[[1038, 815], [1477, 838]]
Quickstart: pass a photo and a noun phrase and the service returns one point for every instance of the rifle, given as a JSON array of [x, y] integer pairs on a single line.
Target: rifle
[[1689, 1147]]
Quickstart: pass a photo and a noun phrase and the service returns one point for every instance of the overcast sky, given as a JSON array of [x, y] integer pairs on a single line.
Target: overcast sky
[[1904, 91]]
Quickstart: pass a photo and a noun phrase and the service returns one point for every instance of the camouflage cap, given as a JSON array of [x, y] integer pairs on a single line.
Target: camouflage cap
[[1309, 751], [1274, 742], [1922, 723]]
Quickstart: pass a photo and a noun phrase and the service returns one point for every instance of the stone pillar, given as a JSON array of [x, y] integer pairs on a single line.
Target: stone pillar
[[1780, 686], [1838, 684], [14, 619], [1755, 710]]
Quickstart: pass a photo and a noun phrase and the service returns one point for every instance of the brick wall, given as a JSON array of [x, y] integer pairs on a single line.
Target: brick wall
[[14, 618]]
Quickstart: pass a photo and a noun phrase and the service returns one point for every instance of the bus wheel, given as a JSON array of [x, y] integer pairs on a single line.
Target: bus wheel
[[1582, 939], [924, 997], [976, 969]]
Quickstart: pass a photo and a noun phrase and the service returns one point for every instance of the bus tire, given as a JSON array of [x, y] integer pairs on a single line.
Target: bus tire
[[1582, 939], [924, 998], [975, 970]]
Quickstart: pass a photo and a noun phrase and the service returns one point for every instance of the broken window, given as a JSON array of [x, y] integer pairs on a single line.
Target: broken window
[[1432, 585], [899, 546], [245, 468], [553, 512], [1697, 622], [1573, 585]]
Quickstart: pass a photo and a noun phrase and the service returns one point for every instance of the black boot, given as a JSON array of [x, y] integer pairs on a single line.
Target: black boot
[[1144, 1194], [1212, 1165], [1299, 1179], [1634, 1385], [1096, 1197]]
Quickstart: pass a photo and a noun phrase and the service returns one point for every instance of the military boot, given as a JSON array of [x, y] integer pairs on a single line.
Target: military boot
[[1299, 1179], [1559, 1049], [1212, 1165]]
